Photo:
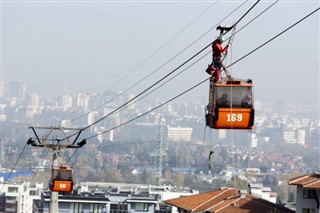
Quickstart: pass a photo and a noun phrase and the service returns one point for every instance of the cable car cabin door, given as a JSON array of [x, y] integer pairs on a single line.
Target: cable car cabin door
[[61, 180], [230, 105]]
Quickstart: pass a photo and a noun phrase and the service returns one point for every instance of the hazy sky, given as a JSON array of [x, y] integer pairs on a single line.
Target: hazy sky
[[88, 46]]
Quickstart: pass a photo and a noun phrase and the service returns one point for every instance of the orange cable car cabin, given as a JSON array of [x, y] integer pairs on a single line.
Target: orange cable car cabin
[[230, 104], [61, 179]]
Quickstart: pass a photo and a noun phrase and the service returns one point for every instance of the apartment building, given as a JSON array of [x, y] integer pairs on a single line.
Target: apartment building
[[18, 197], [114, 198], [308, 193]]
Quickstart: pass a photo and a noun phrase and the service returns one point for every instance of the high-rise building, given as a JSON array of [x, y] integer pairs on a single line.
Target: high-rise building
[[19, 197], [301, 136], [34, 100], [18, 89], [254, 141], [132, 104], [66, 102], [82, 101]]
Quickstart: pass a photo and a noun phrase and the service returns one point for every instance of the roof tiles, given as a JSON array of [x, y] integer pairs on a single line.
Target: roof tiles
[[307, 181], [225, 200]]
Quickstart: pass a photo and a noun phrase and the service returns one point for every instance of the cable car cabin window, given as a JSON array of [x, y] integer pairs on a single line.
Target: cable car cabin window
[[233, 96], [230, 105], [62, 174]]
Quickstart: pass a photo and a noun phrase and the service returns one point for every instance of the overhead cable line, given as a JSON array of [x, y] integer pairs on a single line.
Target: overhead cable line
[[209, 77], [246, 13], [274, 37], [144, 91], [146, 60], [199, 58], [198, 84], [13, 167], [165, 44], [167, 62], [181, 65], [154, 84], [257, 16], [166, 81], [128, 102], [149, 87], [110, 145], [129, 121]]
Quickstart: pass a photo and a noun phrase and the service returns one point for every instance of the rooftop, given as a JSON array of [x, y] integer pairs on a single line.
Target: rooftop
[[225, 200], [306, 181]]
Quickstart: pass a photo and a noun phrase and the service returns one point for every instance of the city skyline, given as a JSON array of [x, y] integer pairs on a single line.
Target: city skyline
[[35, 98]]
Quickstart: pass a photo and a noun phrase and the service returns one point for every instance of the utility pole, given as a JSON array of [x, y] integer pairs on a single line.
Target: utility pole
[[56, 144]]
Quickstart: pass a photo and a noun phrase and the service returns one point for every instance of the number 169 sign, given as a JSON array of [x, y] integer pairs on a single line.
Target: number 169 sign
[[233, 119]]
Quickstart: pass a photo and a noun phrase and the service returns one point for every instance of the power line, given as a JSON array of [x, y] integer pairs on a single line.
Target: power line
[[201, 56], [14, 166], [274, 37], [162, 83], [153, 90], [181, 65], [111, 145], [128, 102], [141, 93], [165, 44], [147, 59], [198, 84], [129, 121], [145, 91], [246, 55], [171, 59], [257, 16]]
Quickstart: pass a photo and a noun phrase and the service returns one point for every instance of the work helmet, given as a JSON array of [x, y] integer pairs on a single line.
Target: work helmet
[[221, 38]]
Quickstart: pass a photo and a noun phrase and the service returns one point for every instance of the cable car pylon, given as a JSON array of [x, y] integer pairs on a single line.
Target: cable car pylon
[[61, 175]]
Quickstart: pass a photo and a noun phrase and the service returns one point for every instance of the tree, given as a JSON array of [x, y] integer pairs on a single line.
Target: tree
[[291, 197], [179, 179], [238, 183]]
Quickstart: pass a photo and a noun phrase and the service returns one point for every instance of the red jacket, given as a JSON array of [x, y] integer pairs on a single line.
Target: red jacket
[[217, 49]]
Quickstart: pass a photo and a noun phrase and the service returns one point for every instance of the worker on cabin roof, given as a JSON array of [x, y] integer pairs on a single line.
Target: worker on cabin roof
[[214, 68]]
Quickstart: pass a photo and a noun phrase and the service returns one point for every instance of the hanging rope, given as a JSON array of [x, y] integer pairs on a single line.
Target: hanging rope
[[230, 40]]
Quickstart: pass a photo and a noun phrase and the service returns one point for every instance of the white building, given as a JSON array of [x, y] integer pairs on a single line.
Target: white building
[[116, 198], [254, 141], [19, 197], [18, 89], [289, 136], [308, 193], [260, 191], [66, 102], [179, 133], [34, 100], [302, 136], [82, 101], [222, 133]]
